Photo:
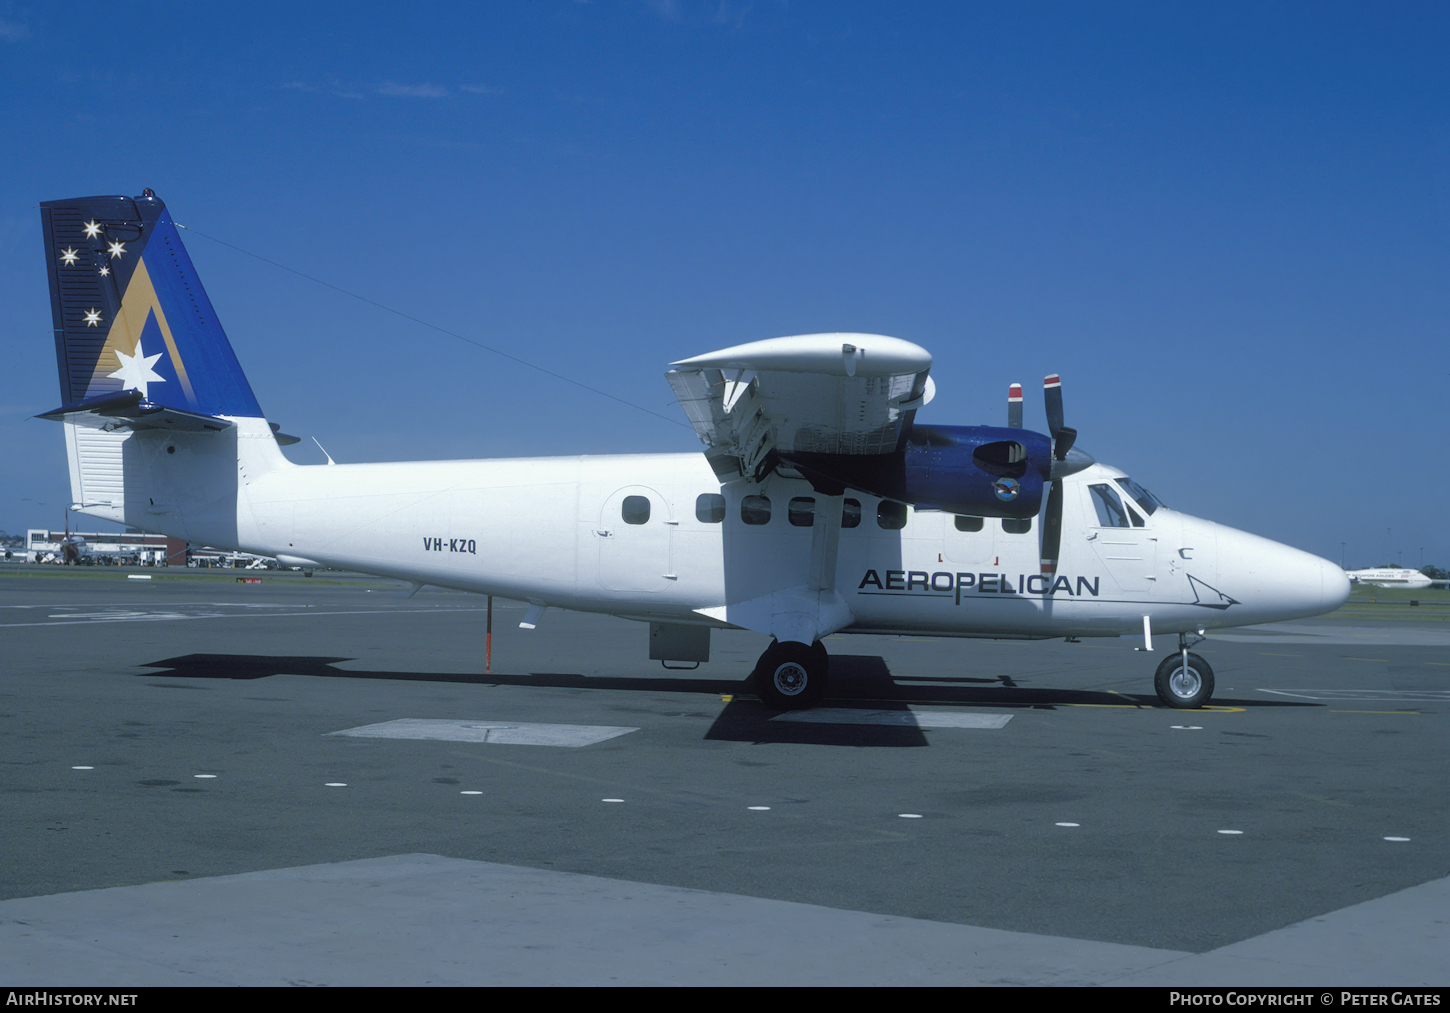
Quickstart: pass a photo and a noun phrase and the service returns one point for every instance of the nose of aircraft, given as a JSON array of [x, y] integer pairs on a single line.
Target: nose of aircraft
[[1334, 584], [1275, 581]]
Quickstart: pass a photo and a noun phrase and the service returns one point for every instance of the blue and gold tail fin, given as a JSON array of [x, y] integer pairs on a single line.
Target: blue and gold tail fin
[[136, 338]]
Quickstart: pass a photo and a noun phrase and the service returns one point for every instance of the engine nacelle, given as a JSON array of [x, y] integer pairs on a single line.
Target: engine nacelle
[[982, 471]]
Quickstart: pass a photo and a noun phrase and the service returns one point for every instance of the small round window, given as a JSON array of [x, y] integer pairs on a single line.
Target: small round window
[[709, 508], [755, 510], [891, 516], [635, 509]]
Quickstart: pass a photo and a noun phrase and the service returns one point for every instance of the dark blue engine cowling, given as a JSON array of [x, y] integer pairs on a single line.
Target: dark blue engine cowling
[[982, 471]]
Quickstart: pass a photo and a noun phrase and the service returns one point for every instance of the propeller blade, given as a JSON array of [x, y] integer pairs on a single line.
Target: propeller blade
[[1014, 406], [1062, 442], [1052, 529], [1052, 394]]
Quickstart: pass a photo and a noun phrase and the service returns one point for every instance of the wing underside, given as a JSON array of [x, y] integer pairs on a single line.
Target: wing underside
[[846, 394]]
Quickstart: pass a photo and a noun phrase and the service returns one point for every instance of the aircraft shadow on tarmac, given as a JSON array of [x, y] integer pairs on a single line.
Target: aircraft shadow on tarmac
[[859, 681]]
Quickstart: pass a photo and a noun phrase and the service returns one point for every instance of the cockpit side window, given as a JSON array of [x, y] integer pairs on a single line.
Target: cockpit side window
[[1111, 512], [1141, 496]]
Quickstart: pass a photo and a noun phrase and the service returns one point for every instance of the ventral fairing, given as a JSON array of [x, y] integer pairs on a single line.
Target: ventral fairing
[[820, 505]]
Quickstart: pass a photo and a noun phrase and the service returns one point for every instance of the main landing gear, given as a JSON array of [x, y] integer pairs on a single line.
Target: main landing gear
[[1184, 680], [791, 676]]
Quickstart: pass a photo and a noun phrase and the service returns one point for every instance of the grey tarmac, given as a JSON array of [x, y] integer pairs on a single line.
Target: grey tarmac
[[179, 808]]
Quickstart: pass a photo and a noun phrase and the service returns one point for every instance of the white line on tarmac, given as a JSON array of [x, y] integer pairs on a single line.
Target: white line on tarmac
[[510, 733], [1440, 695], [902, 719]]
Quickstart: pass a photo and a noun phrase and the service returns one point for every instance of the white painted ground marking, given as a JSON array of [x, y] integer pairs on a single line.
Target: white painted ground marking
[[470, 793], [1397, 838], [611, 800], [203, 775], [1069, 824], [138, 576], [909, 816], [1441, 695], [510, 733], [1230, 831], [901, 719], [335, 784], [758, 808], [83, 768], [1188, 728]]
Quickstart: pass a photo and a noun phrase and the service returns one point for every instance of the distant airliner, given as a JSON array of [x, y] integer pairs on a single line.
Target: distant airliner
[[1390, 577], [819, 505]]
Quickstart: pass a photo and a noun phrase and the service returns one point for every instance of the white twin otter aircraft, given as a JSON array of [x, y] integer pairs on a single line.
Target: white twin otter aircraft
[[819, 506]]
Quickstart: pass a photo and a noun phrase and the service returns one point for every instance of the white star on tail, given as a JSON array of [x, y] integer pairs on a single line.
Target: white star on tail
[[69, 256], [136, 372], [116, 249], [93, 318], [93, 229]]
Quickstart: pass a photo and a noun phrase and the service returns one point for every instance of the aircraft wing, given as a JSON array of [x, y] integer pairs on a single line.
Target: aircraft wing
[[814, 393]]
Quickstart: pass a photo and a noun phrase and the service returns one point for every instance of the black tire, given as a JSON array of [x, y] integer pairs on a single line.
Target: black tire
[[1180, 689], [791, 676]]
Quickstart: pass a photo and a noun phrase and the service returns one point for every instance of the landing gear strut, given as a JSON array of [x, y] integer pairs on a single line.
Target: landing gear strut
[[1184, 680], [791, 676]]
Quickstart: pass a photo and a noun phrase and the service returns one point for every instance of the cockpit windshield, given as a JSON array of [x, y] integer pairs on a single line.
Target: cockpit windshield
[[1141, 496], [1110, 509]]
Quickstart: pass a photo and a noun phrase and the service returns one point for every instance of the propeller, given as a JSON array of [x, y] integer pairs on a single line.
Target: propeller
[[1063, 438], [1014, 406]]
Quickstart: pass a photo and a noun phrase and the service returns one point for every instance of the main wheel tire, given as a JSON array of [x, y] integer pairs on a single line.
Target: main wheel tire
[[1184, 688], [791, 676]]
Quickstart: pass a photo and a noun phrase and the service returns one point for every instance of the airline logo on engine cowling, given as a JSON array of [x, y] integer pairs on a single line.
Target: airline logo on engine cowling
[[943, 584], [1006, 489]]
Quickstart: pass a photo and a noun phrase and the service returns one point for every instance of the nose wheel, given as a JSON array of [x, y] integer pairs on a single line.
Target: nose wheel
[[791, 676], [1184, 680]]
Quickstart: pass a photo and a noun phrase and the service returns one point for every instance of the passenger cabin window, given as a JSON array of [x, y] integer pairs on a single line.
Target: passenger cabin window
[[1141, 496], [755, 510], [851, 514], [968, 523], [635, 509], [709, 508], [1016, 525], [1111, 512], [801, 512], [891, 516]]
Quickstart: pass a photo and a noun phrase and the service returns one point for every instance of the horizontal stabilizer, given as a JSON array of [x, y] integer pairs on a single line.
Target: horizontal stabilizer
[[129, 409]]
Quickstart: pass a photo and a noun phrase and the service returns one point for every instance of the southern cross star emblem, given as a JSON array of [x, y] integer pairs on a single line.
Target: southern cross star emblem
[[69, 257], [93, 319], [105, 270], [116, 249], [93, 229], [136, 372]]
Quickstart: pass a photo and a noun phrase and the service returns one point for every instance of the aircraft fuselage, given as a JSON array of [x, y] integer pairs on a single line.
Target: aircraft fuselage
[[656, 537]]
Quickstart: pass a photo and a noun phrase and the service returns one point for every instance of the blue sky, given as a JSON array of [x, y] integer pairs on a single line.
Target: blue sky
[[1225, 224]]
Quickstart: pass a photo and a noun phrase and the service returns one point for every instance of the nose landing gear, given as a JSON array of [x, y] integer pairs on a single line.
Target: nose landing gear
[[1183, 680], [791, 676]]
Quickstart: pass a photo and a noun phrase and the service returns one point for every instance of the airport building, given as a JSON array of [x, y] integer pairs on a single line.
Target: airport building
[[107, 547]]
